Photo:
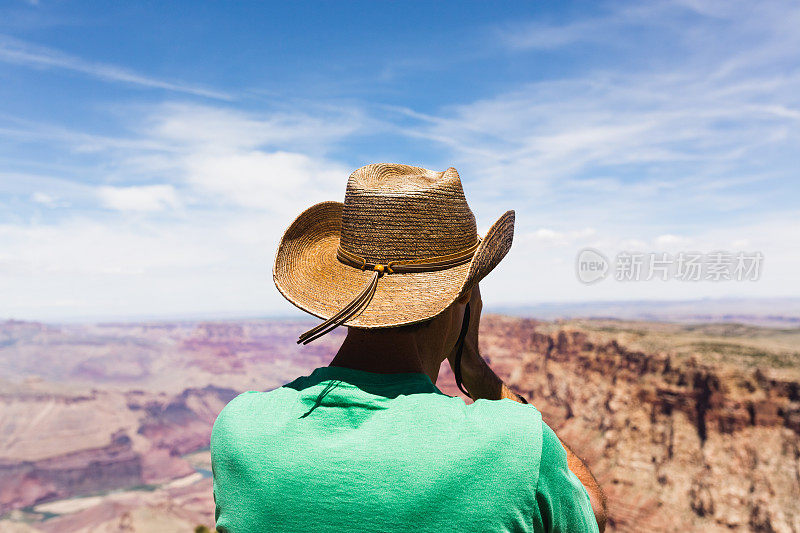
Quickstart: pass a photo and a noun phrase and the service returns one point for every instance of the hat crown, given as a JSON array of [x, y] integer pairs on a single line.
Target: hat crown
[[399, 213]]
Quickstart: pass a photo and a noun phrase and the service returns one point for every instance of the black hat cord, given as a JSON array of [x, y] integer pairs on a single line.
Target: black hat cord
[[460, 349]]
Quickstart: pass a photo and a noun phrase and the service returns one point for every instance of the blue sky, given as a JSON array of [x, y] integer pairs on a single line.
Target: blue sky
[[151, 154]]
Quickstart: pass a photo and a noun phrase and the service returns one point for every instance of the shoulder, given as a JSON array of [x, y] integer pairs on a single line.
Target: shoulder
[[233, 409], [248, 406], [508, 413], [509, 417], [513, 429], [240, 403]]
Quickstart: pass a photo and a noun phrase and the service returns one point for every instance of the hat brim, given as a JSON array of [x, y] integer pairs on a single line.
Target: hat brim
[[309, 275]]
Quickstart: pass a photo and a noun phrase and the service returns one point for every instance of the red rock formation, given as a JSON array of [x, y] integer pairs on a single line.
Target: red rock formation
[[81, 472], [678, 445], [167, 427]]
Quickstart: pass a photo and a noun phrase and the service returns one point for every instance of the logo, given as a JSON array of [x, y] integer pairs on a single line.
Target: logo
[[591, 266]]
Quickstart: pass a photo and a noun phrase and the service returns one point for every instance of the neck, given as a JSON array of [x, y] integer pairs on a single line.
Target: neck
[[387, 352]]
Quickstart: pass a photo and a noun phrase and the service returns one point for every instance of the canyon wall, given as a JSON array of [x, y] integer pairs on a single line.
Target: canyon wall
[[678, 445]]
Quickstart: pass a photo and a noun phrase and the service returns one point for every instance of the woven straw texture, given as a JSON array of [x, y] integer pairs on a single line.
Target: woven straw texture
[[390, 212]]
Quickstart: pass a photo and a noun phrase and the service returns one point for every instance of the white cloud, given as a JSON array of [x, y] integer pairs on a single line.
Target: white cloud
[[668, 240], [225, 158], [44, 199], [550, 237], [182, 125], [213, 264], [280, 181], [139, 198]]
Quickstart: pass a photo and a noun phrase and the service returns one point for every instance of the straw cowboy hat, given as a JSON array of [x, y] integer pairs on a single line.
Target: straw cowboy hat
[[401, 248]]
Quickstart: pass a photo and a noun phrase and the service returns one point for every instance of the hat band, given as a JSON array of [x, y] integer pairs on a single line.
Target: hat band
[[427, 264], [358, 303]]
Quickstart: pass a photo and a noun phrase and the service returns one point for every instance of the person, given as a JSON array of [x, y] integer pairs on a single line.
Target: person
[[369, 442]]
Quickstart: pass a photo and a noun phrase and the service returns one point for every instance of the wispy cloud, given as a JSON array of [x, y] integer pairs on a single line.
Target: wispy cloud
[[45, 199], [308, 127], [139, 198], [31, 55], [679, 140], [602, 28]]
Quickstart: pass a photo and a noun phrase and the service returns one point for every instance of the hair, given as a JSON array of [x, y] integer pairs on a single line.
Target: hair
[[416, 327], [408, 328]]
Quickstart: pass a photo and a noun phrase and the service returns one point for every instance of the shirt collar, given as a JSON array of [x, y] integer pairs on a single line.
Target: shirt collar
[[410, 381]]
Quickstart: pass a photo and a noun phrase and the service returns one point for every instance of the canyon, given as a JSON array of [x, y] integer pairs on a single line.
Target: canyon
[[105, 427]]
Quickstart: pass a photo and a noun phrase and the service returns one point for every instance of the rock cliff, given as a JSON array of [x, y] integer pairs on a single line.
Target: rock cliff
[[679, 445]]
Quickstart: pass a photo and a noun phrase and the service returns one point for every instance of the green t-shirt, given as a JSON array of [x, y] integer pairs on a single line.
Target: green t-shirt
[[349, 450]]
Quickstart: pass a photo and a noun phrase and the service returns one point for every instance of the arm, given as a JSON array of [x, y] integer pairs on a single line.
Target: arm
[[481, 382]]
